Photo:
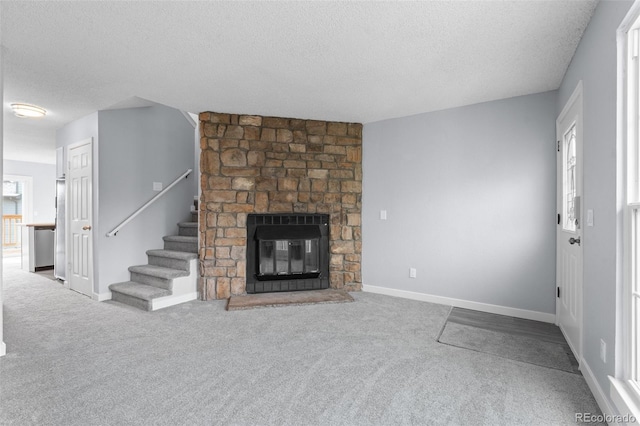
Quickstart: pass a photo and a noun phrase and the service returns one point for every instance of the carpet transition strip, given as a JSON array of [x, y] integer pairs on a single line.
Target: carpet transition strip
[[533, 342]]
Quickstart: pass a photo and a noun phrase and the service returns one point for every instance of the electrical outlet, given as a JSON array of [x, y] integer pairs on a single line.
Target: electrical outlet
[[157, 186], [603, 351], [383, 215], [412, 272]]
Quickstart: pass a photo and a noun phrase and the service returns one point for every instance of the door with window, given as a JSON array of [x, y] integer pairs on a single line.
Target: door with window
[[570, 242], [79, 216]]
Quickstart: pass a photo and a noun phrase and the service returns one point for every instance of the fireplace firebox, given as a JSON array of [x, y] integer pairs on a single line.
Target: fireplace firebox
[[287, 252]]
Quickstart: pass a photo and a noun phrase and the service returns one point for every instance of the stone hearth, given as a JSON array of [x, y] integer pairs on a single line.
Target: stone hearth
[[254, 164]]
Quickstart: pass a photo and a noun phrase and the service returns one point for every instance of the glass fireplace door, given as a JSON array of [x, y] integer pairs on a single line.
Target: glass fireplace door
[[288, 257]]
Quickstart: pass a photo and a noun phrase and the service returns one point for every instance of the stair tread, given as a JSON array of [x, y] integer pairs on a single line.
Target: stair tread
[[158, 271], [188, 224], [140, 291], [173, 254], [180, 238]]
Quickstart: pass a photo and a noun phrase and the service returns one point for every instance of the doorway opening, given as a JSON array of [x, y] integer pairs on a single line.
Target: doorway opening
[[16, 211]]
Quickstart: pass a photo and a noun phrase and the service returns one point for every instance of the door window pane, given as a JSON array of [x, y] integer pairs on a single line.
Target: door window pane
[[569, 189]]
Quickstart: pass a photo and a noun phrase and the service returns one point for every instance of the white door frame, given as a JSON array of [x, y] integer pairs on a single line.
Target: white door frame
[[576, 99], [68, 237]]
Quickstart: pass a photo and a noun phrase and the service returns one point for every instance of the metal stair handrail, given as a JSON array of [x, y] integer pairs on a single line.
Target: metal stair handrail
[[115, 230]]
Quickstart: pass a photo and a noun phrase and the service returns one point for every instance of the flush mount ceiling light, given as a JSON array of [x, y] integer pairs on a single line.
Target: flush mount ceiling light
[[28, 111]]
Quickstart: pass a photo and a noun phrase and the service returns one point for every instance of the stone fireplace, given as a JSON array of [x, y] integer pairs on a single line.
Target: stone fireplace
[[253, 166]]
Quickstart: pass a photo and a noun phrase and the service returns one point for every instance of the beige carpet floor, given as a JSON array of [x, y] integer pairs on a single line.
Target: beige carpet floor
[[74, 361]]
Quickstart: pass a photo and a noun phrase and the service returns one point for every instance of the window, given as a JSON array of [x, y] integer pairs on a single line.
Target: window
[[632, 213], [625, 389]]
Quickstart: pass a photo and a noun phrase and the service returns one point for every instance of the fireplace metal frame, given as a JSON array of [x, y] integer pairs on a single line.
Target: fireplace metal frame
[[255, 283]]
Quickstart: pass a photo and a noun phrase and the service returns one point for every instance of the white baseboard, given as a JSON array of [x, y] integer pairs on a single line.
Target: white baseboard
[[3, 349], [601, 397], [163, 302], [467, 304], [101, 297]]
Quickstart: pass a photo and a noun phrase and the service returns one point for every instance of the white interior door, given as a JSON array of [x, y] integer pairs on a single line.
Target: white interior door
[[569, 230], [79, 217]]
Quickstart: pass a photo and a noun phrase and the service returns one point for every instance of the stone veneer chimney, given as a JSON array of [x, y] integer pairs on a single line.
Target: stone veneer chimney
[[254, 164]]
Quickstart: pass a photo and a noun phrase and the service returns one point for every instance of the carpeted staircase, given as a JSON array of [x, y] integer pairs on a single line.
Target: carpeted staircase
[[169, 278]]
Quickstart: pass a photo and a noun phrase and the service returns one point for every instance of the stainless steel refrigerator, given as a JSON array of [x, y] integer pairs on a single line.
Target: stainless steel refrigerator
[[59, 261]]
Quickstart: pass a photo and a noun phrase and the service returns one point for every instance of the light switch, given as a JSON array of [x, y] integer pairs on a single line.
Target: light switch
[[157, 186], [589, 217], [383, 215]]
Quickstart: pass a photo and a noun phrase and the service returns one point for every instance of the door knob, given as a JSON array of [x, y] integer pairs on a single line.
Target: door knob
[[574, 240], [88, 228]]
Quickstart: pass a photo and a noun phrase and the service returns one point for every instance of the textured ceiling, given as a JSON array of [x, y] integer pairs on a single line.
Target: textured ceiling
[[345, 61]]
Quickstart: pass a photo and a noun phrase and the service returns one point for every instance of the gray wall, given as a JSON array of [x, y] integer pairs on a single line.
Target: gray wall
[[79, 130], [470, 196], [139, 146], [595, 64], [44, 187]]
